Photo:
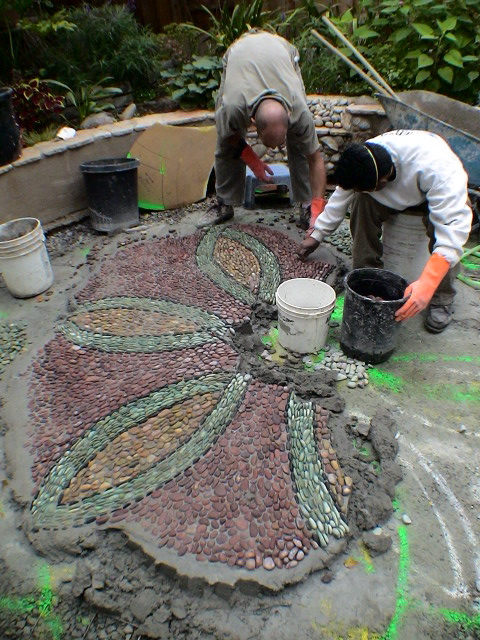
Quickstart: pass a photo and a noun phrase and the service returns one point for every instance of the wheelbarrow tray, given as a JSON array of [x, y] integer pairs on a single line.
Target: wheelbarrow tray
[[436, 113]]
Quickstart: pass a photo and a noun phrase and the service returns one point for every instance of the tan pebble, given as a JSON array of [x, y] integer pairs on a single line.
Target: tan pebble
[[268, 564], [348, 481], [250, 564], [346, 491]]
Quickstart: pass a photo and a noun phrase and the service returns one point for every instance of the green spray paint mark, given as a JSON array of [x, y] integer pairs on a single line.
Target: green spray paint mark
[[46, 594], [338, 311], [271, 338], [432, 357], [17, 605], [44, 604], [151, 206], [402, 583], [468, 393], [469, 623], [85, 251], [3, 314], [386, 380]]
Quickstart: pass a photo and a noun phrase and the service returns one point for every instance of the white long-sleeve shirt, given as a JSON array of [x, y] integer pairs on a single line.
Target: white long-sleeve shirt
[[427, 170]]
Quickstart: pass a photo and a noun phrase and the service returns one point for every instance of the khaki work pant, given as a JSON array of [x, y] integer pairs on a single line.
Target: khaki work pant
[[366, 218], [230, 174]]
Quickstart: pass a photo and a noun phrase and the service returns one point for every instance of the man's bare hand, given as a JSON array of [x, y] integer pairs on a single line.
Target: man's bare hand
[[307, 247]]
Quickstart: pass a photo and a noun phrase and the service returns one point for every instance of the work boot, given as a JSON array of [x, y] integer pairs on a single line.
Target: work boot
[[304, 217], [438, 317], [215, 214]]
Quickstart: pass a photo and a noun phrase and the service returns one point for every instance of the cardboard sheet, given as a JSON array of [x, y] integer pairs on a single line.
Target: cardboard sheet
[[175, 165]]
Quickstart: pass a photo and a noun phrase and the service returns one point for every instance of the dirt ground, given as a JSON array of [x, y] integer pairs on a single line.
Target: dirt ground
[[409, 440]]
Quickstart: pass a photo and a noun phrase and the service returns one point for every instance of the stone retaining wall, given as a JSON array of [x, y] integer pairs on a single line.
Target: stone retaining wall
[[46, 181]]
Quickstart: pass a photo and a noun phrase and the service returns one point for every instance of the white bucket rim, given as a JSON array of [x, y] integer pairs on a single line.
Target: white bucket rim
[[319, 284], [32, 232]]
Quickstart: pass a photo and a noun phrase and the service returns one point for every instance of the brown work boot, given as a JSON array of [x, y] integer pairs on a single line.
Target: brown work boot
[[215, 214], [438, 317]]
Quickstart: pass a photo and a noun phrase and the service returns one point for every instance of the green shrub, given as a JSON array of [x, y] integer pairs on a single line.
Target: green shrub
[[420, 44], [232, 23], [195, 84], [106, 40], [88, 98]]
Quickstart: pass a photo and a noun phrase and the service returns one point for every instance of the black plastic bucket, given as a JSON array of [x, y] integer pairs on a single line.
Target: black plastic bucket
[[10, 142], [112, 192], [369, 330]]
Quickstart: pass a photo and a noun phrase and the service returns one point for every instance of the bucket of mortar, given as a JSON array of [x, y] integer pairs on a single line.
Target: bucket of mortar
[[369, 330], [112, 192], [304, 309], [24, 261]]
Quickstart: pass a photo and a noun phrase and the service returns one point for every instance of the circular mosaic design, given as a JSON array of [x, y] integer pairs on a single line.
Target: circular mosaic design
[[140, 415]]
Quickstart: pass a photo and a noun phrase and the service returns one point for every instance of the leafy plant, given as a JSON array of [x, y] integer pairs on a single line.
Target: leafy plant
[[88, 98], [195, 84], [420, 43], [35, 104], [322, 71], [106, 40], [48, 24], [231, 24]]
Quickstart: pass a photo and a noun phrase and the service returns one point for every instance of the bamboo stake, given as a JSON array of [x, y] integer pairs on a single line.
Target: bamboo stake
[[351, 64], [362, 59]]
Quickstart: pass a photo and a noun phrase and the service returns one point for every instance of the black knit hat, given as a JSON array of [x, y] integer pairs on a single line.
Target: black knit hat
[[361, 166]]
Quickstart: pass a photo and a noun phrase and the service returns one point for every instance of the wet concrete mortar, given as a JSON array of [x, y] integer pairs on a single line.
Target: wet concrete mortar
[[170, 471]]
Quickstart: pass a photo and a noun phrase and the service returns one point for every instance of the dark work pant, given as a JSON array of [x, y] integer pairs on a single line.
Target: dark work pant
[[366, 219]]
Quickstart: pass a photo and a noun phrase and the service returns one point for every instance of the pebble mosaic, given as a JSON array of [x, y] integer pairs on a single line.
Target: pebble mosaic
[[139, 413]]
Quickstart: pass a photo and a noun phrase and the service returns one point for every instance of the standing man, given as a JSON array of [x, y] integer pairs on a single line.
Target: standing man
[[262, 84], [403, 171]]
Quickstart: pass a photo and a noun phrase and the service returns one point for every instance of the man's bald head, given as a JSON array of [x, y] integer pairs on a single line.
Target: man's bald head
[[271, 120]]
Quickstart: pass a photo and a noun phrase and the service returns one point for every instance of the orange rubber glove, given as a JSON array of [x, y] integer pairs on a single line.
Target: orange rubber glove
[[259, 168], [422, 290], [316, 207]]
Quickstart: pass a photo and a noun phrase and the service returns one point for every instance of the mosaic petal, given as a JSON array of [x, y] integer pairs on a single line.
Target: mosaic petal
[[155, 325], [134, 451], [47, 510], [228, 273]]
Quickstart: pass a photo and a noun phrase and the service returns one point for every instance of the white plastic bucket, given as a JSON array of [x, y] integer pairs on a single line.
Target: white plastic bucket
[[304, 309], [24, 262], [405, 246]]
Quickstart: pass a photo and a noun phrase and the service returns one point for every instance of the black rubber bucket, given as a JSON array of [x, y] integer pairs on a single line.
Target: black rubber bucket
[[369, 330], [112, 192], [10, 142]]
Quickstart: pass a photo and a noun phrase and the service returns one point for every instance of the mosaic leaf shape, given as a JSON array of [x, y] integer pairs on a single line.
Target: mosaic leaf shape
[[316, 503], [48, 508], [231, 272], [136, 450], [154, 325]]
